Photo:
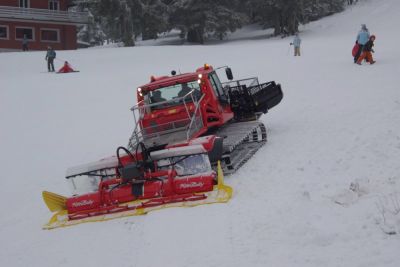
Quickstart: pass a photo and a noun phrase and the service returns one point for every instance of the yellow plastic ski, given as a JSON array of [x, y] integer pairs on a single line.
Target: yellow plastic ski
[[221, 194]]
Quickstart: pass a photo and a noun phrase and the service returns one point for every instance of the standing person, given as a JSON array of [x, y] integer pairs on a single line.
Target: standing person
[[296, 43], [367, 51], [25, 43], [50, 56], [362, 39]]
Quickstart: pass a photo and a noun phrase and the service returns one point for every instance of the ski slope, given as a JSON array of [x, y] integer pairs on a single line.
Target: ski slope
[[320, 193]]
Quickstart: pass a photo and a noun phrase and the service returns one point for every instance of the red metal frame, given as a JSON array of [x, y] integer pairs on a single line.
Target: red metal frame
[[214, 114]]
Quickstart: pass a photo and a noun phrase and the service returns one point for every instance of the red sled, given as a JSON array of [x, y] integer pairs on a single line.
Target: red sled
[[355, 49]]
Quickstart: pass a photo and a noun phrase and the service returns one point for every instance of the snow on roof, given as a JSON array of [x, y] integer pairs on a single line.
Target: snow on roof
[[105, 163], [177, 151]]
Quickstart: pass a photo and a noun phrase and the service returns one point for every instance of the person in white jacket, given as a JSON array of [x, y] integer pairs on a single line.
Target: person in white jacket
[[296, 43]]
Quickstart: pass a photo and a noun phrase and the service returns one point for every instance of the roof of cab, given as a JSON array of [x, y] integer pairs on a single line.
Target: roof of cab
[[158, 82]]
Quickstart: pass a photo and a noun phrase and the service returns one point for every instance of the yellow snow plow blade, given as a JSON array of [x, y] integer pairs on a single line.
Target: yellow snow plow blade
[[221, 194], [53, 201]]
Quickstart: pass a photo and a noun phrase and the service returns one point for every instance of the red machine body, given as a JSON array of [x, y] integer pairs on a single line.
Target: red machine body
[[214, 113], [161, 179], [178, 108], [168, 187]]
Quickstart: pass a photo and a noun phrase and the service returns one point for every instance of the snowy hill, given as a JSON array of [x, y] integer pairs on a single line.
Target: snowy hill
[[320, 193]]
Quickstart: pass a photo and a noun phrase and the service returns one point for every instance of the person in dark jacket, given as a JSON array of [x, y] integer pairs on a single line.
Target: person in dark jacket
[[50, 56], [156, 97], [367, 51], [25, 43], [185, 90]]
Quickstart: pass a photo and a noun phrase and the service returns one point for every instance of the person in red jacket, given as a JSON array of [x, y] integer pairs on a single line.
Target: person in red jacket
[[66, 68], [367, 51]]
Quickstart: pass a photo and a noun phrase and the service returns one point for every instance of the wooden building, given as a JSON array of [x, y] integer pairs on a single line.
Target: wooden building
[[43, 22]]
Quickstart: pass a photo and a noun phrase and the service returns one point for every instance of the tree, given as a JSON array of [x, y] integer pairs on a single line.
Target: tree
[[317, 9], [283, 15], [197, 18], [112, 18], [125, 20], [153, 18], [286, 15]]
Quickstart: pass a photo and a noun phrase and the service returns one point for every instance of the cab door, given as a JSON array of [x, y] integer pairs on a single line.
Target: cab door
[[222, 99]]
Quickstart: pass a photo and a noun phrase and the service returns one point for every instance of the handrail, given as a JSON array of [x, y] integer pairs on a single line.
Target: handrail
[[137, 106], [9, 12], [238, 82], [194, 116], [138, 133]]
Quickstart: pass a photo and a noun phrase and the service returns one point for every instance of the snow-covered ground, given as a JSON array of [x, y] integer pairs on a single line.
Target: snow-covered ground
[[320, 193]]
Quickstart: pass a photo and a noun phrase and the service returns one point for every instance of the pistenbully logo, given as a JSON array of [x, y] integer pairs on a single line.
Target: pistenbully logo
[[83, 203], [191, 185]]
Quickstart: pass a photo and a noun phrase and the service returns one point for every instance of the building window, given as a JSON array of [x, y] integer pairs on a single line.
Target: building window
[[54, 4], [24, 3], [20, 32], [4, 32], [50, 35]]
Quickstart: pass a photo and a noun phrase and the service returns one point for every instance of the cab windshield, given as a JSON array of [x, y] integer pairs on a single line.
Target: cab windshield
[[187, 165], [89, 182], [173, 94]]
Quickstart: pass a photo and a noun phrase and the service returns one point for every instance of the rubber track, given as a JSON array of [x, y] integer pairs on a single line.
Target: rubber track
[[241, 141]]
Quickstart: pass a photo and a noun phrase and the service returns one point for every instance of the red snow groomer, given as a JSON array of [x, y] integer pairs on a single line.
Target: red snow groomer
[[190, 128], [182, 107]]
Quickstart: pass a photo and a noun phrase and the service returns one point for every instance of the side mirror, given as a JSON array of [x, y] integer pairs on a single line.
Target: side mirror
[[229, 74]]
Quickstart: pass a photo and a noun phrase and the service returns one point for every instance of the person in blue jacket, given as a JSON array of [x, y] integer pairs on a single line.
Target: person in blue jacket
[[362, 39], [50, 56], [296, 43]]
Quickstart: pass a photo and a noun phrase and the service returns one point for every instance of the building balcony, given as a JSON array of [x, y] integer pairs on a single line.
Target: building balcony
[[42, 15]]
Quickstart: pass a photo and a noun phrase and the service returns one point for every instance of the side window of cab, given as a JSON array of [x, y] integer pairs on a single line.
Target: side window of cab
[[217, 86]]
